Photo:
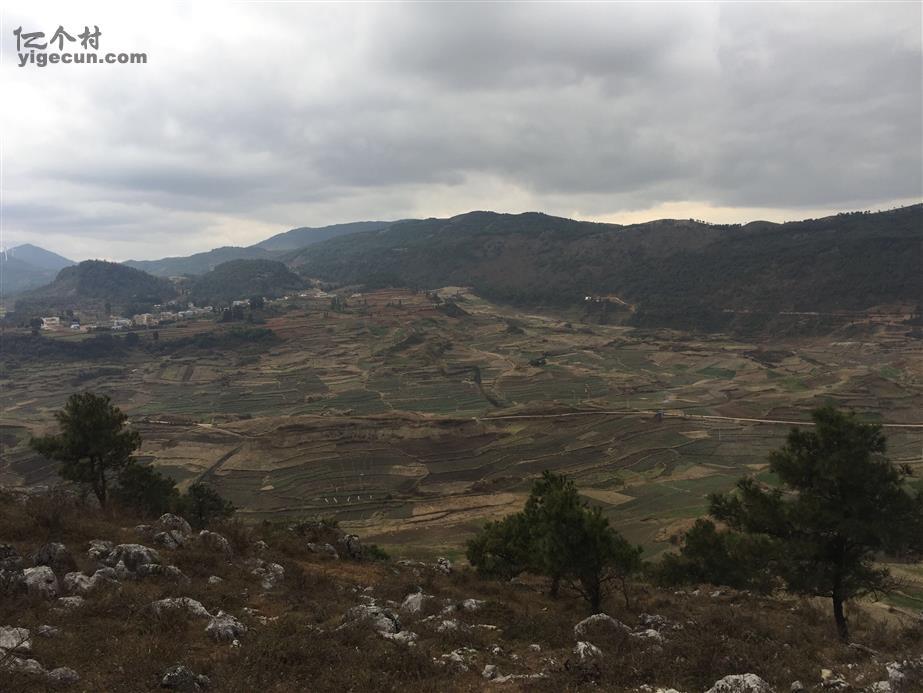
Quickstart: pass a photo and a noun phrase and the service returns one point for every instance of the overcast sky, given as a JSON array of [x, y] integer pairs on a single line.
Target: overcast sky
[[250, 119]]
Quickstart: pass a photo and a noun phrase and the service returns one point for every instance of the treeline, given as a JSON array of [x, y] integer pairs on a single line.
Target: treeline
[[840, 506]]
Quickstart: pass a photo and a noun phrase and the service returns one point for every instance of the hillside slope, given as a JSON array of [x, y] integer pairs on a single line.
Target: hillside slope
[[306, 235], [199, 263], [239, 279], [304, 607], [672, 271], [27, 266], [93, 283]]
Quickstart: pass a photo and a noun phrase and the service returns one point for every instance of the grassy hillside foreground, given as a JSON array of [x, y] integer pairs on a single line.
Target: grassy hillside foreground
[[302, 619]]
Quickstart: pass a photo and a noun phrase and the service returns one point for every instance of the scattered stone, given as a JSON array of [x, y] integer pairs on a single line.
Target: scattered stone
[[261, 545], [457, 659], [382, 620], [444, 565], [79, 583], [472, 604], [169, 540], [132, 557], [23, 666], [905, 676], [181, 678], [193, 606], [47, 631], [599, 620], [490, 672], [100, 549], [215, 542], [224, 628], [55, 556], [214, 580], [535, 647], [880, 687], [740, 683], [413, 603], [69, 603], [586, 650], [352, 547], [63, 676], [796, 687], [448, 625], [159, 570], [649, 635], [405, 637], [168, 522], [144, 531], [654, 621], [270, 574], [15, 640], [41, 581]]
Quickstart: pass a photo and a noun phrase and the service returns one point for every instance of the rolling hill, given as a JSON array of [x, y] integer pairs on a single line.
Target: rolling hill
[[675, 273], [305, 235], [240, 279], [91, 285], [27, 266], [199, 263]]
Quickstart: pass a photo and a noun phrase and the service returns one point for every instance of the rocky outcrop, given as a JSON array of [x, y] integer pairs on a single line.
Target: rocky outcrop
[[599, 622], [16, 640], [905, 676], [183, 679], [741, 683], [351, 547], [225, 628], [215, 542], [41, 582], [381, 620], [186, 604], [132, 557], [55, 556], [586, 650], [444, 565], [270, 574], [80, 583]]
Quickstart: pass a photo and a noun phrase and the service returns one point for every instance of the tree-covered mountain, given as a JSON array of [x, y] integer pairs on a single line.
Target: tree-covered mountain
[[685, 273], [241, 279], [93, 284], [27, 266], [199, 263], [306, 235]]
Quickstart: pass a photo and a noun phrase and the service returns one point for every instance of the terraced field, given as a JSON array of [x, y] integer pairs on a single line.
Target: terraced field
[[414, 421]]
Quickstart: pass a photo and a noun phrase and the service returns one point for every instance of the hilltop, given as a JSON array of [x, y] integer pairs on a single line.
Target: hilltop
[[306, 235], [91, 285], [199, 263], [244, 278], [27, 266], [684, 274], [304, 606]]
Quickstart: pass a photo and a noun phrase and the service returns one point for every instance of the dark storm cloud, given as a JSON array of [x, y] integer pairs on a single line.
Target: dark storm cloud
[[259, 118]]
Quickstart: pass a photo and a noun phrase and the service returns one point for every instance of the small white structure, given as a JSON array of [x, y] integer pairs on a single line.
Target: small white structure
[[51, 323]]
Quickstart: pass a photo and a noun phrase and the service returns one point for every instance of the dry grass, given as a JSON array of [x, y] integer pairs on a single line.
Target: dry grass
[[295, 641]]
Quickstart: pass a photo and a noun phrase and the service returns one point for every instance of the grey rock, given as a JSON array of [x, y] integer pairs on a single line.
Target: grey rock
[[352, 547], [413, 603], [41, 581], [599, 621], [586, 650], [181, 678], [324, 550], [132, 556], [214, 580], [69, 603], [444, 565], [170, 539], [168, 522], [215, 542], [905, 676], [14, 639], [12, 581], [46, 631], [187, 604], [100, 549], [55, 556], [381, 620], [224, 628], [63, 676], [79, 583], [740, 683], [23, 666], [270, 574]]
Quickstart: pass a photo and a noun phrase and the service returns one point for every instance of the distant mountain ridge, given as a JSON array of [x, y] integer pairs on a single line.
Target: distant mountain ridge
[[679, 273], [305, 235], [27, 266]]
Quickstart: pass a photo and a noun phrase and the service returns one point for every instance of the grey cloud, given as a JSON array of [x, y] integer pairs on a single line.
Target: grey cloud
[[323, 114]]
